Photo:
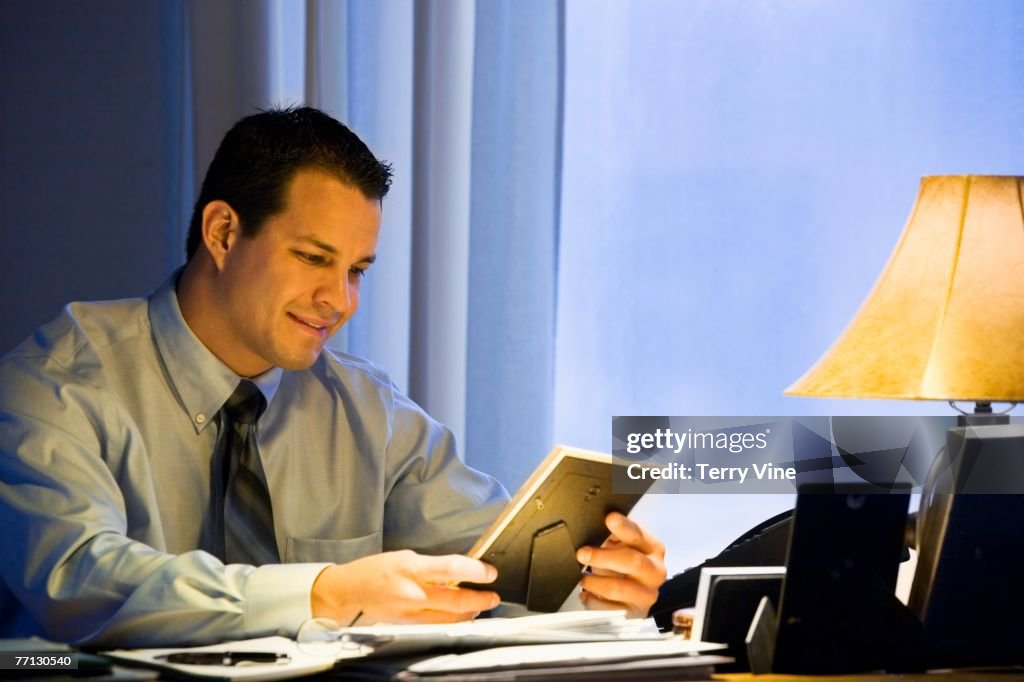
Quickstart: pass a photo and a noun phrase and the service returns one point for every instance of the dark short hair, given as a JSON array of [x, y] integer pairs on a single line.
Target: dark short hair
[[261, 154]]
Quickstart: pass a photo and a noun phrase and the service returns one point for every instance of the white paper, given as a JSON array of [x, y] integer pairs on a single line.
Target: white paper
[[594, 622], [548, 654], [602, 627], [299, 663], [549, 628]]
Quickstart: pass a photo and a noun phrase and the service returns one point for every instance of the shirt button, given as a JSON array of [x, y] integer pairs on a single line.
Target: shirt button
[[200, 418]]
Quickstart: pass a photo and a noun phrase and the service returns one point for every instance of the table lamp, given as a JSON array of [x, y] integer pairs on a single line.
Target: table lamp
[[945, 321]]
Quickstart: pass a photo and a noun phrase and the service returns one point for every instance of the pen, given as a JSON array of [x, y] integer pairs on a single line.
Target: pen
[[223, 657]]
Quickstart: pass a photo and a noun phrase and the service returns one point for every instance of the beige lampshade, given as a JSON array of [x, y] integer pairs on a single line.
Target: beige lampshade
[[945, 320]]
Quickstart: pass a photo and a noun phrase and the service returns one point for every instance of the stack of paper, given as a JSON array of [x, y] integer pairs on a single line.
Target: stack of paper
[[548, 628], [577, 640], [555, 655]]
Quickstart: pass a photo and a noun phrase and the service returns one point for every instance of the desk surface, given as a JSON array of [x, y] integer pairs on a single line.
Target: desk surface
[[140, 674], [952, 676]]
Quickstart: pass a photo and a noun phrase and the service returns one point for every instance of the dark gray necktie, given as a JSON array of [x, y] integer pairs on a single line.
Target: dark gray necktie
[[248, 515]]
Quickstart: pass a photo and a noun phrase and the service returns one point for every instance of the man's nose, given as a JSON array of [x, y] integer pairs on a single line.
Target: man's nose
[[336, 292]]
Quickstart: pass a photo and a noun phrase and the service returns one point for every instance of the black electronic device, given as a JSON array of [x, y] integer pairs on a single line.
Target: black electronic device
[[839, 612]]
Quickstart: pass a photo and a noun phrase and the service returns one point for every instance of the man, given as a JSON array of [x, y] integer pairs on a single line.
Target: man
[[193, 466]]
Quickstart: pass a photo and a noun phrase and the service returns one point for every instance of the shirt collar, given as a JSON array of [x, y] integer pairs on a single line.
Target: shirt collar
[[201, 381]]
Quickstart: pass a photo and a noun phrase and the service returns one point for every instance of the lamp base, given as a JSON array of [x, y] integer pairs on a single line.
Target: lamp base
[[971, 548]]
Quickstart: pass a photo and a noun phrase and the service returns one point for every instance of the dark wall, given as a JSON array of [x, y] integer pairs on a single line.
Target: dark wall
[[91, 147]]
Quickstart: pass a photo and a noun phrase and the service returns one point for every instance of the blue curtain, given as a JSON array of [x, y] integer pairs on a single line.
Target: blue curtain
[[516, 156]]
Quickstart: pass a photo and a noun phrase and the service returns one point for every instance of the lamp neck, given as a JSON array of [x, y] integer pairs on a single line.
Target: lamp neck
[[982, 416]]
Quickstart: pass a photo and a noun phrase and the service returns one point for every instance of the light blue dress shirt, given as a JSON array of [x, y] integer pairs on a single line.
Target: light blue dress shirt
[[108, 421]]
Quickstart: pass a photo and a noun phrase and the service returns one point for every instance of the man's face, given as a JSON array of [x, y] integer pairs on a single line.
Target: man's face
[[294, 284]]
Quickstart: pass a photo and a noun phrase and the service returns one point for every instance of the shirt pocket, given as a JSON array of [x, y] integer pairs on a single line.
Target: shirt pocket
[[306, 550]]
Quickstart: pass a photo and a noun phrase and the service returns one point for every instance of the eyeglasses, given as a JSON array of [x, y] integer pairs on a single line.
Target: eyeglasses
[[324, 637]]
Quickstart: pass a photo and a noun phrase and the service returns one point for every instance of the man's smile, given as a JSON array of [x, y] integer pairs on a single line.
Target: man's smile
[[315, 326]]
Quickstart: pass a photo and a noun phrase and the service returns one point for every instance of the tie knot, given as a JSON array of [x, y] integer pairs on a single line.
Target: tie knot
[[246, 404]]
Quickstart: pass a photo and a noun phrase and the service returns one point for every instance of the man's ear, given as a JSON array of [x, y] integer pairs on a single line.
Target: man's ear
[[221, 229]]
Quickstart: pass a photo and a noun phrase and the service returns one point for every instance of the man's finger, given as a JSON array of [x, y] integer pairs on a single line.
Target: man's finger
[[431, 616], [631, 533], [451, 569], [621, 591], [459, 599], [626, 561], [592, 601]]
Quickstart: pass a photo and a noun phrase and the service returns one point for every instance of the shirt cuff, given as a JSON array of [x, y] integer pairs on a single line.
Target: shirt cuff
[[277, 597]]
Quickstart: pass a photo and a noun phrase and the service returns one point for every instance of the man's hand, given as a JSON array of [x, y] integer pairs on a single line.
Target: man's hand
[[628, 569], [402, 587]]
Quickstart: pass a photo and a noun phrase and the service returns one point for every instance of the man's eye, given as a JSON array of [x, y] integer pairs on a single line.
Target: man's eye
[[311, 258], [357, 272]]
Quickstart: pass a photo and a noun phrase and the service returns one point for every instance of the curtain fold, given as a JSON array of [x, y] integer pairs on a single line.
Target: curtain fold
[[513, 242], [442, 95], [359, 66]]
